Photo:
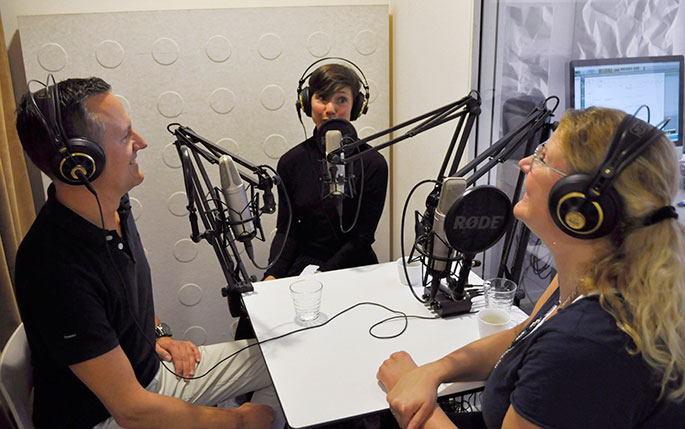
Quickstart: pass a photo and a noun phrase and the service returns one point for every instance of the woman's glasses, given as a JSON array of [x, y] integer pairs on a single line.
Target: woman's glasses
[[539, 156]]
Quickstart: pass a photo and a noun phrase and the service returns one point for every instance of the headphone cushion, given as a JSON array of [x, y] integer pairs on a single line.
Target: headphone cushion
[[86, 156], [579, 216], [359, 106], [305, 101]]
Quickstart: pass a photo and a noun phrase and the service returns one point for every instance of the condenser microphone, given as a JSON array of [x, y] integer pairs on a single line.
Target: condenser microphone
[[236, 199], [439, 267], [336, 171]]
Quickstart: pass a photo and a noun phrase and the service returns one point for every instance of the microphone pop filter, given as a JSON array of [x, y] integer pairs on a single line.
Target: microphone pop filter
[[478, 219]]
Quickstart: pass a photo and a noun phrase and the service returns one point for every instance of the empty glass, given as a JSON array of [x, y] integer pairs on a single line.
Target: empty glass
[[306, 299]]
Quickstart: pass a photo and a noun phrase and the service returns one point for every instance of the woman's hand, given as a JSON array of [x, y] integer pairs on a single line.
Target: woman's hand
[[412, 390]]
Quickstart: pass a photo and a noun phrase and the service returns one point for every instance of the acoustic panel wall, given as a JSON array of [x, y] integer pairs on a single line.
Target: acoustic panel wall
[[229, 74]]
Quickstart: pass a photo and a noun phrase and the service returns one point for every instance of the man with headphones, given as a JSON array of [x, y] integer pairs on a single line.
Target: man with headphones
[[318, 234], [84, 290]]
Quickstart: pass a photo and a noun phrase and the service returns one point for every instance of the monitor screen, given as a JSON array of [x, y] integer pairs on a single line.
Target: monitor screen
[[629, 83]]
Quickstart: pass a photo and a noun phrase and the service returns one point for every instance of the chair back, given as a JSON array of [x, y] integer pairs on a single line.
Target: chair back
[[16, 378]]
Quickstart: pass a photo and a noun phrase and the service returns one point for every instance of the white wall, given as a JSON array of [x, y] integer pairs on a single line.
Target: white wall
[[431, 63]]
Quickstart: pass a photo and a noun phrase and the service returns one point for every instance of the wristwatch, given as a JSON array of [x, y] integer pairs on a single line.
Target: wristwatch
[[162, 330]]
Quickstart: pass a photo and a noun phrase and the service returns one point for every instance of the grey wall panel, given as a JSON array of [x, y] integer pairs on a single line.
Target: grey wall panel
[[231, 75], [624, 28]]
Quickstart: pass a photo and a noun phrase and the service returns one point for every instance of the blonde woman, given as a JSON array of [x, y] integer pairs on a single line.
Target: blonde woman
[[605, 344]]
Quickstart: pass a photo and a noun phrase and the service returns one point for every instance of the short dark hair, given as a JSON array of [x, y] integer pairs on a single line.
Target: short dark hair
[[77, 121], [331, 78]]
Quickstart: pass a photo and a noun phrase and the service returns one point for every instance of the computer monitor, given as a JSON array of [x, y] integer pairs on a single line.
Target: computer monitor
[[628, 83]]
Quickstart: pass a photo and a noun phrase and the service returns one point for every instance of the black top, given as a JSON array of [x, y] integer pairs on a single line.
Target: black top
[[574, 371], [315, 235], [75, 307]]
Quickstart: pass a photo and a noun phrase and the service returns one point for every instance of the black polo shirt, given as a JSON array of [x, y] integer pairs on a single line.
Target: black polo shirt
[[79, 289]]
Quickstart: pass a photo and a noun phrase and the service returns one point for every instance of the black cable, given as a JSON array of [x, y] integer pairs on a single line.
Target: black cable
[[304, 129], [541, 267], [126, 291], [154, 348], [400, 314], [648, 112], [359, 201], [279, 182], [404, 212]]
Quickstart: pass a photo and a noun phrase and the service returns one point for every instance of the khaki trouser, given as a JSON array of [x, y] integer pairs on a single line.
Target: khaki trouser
[[244, 372]]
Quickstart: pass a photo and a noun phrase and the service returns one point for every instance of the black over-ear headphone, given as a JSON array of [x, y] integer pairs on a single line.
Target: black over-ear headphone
[[77, 158], [587, 206], [360, 105]]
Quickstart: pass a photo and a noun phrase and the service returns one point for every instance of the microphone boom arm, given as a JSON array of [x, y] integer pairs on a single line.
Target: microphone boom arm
[[212, 153], [508, 144], [466, 109]]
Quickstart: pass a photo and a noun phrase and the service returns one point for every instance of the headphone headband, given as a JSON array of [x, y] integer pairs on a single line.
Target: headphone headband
[[632, 137], [55, 132], [305, 76]]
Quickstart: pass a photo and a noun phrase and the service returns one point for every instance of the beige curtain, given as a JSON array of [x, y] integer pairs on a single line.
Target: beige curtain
[[16, 202]]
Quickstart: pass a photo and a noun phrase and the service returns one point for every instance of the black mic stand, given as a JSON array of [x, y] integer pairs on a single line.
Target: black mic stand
[[499, 152], [203, 199], [452, 299], [517, 263], [465, 110]]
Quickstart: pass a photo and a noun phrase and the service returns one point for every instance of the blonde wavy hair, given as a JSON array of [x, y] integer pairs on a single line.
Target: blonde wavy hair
[[644, 264]]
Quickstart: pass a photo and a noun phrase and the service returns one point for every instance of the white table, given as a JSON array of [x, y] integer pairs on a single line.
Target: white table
[[329, 373]]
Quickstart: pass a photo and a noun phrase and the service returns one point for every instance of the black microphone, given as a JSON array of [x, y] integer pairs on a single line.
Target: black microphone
[[336, 171], [236, 199], [438, 266]]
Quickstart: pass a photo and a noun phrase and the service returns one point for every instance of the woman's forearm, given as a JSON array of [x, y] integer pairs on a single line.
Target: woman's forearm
[[475, 361]]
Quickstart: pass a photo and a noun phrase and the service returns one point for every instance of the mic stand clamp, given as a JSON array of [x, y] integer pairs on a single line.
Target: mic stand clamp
[[233, 293], [239, 288], [452, 303]]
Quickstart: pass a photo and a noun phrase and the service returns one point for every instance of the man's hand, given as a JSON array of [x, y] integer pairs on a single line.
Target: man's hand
[[184, 354], [269, 278], [412, 394], [256, 416]]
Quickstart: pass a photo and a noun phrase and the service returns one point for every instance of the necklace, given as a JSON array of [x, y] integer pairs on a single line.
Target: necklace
[[530, 328], [573, 295]]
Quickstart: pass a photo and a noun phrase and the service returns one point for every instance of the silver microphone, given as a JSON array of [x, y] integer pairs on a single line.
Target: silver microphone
[[452, 188], [336, 171], [236, 199]]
